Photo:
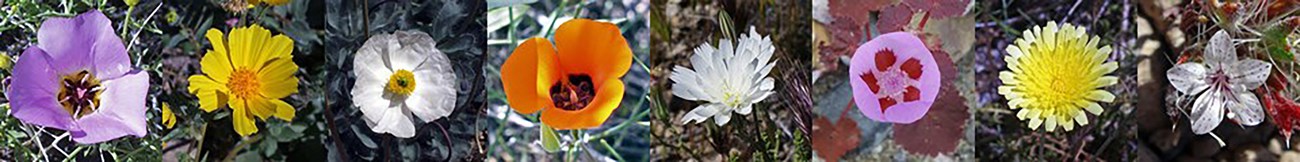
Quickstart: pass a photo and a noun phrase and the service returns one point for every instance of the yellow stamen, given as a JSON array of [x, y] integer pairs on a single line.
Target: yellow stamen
[[244, 83], [401, 83]]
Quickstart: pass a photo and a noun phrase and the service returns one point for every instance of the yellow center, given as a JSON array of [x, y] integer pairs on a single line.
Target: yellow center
[[243, 83], [79, 93], [401, 83]]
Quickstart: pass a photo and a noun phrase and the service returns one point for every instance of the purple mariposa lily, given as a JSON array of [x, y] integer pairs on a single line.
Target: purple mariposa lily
[[79, 78]]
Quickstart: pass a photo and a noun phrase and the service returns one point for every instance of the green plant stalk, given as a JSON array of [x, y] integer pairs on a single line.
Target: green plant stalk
[[554, 16], [612, 151], [230, 156]]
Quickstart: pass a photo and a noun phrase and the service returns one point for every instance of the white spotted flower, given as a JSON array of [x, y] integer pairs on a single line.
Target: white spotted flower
[[730, 78], [400, 75], [1223, 83]]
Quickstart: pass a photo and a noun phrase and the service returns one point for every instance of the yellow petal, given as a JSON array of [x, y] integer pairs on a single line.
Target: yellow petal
[[283, 110], [243, 122], [210, 93], [277, 78], [279, 46], [168, 119], [216, 63]]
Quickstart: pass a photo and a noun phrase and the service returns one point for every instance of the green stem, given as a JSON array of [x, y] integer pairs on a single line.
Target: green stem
[[230, 156], [612, 151], [554, 16]]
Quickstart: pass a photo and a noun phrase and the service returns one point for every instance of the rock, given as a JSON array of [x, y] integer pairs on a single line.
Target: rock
[[1165, 139], [1290, 156], [1253, 152], [1205, 147]]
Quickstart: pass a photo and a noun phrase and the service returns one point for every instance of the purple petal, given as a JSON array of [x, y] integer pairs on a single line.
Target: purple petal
[[121, 111], [34, 91], [66, 40]]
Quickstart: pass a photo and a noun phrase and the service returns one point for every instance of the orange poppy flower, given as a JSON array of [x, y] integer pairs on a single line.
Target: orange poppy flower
[[575, 83]]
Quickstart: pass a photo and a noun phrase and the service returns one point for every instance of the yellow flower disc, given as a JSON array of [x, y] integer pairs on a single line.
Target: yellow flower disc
[[1055, 75]]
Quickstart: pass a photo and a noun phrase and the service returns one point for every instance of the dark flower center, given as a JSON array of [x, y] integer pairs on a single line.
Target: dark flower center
[[79, 93], [573, 95]]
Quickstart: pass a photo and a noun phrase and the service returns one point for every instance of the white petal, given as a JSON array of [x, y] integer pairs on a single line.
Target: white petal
[[745, 109], [415, 46], [1013, 51], [1220, 50], [1250, 73], [1051, 123], [395, 121], [1247, 108], [722, 118], [1081, 118], [1188, 78], [686, 84], [435, 88], [701, 113], [1207, 112]]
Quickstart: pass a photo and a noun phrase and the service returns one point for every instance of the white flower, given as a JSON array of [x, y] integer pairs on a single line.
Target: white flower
[[1226, 83], [399, 75], [731, 79]]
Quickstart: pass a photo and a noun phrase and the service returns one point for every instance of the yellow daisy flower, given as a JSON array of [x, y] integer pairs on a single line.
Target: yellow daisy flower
[[250, 74], [1055, 75]]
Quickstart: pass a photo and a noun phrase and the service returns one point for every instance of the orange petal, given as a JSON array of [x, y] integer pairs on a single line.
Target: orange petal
[[608, 97], [527, 75], [593, 48]]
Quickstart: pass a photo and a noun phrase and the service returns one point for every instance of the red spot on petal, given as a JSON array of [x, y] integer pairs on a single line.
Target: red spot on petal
[[885, 103], [870, 79], [912, 94], [884, 59], [912, 67]]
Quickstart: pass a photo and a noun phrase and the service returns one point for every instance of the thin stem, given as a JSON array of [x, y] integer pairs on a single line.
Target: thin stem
[[230, 156], [554, 16], [612, 151]]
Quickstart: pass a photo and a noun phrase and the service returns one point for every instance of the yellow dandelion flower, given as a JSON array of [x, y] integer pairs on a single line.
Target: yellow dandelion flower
[[249, 73], [1055, 75]]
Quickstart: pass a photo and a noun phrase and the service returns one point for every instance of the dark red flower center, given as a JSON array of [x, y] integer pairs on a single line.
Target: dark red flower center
[[891, 82], [575, 94], [79, 93]]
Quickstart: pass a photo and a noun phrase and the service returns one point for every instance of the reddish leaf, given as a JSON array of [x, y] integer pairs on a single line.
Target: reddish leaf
[[831, 141], [844, 41], [855, 11], [894, 18], [940, 8]]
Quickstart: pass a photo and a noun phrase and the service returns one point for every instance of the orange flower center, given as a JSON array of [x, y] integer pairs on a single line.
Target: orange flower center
[[79, 93], [243, 83], [573, 95]]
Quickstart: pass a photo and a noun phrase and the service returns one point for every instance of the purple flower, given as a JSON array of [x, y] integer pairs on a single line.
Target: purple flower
[[79, 78], [894, 78]]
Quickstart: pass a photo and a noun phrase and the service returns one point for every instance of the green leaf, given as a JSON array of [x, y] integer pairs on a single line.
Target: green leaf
[[550, 141], [1276, 43]]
